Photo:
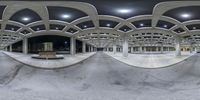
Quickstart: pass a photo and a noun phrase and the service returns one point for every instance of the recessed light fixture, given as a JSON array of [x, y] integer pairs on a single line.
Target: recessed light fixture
[[25, 18], [85, 26], [108, 25], [165, 26], [124, 11], [38, 29], [66, 16], [141, 24], [185, 15]]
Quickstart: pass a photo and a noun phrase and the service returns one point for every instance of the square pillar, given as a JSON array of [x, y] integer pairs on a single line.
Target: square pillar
[[140, 49], [114, 48], [125, 47], [83, 47], [6, 49], [178, 48], [25, 46], [72, 46], [92, 49], [10, 48], [161, 49], [191, 48]]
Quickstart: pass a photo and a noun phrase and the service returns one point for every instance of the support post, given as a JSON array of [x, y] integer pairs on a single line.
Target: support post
[[25, 46], [10, 48], [72, 46], [114, 47], [178, 47], [125, 46], [83, 47]]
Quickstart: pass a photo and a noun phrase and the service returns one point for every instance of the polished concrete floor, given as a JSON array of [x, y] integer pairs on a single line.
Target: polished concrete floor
[[100, 78]]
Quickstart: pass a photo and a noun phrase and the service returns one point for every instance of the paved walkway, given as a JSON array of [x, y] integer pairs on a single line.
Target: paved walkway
[[68, 60], [150, 60]]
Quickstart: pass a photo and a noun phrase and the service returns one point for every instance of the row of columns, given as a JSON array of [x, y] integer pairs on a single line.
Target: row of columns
[[140, 49], [72, 46], [126, 49]]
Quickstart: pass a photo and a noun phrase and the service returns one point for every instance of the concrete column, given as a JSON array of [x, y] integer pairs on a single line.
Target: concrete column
[[106, 49], [92, 49], [161, 49], [25, 46], [6, 49], [132, 50], [191, 48], [10, 48], [114, 48], [157, 49], [140, 49], [125, 47], [145, 49], [83, 47], [195, 49], [72, 46], [178, 47]]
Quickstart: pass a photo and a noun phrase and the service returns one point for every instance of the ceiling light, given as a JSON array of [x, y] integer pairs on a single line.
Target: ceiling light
[[66, 16], [124, 11], [194, 28], [108, 25], [185, 15], [165, 26], [141, 24], [85, 26], [25, 19]]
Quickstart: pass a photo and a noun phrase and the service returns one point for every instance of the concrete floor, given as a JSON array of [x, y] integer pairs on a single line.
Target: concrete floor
[[151, 60], [100, 78], [68, 60]]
